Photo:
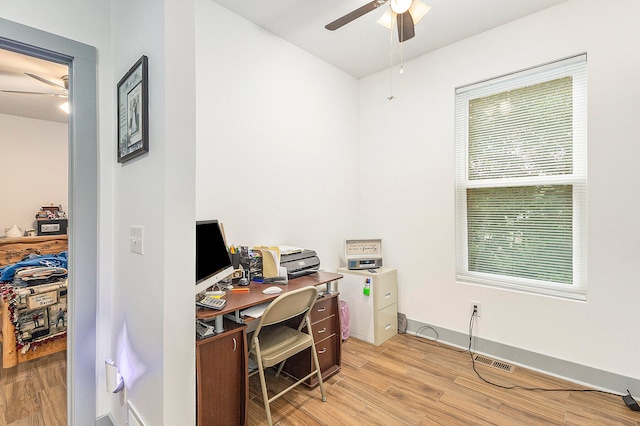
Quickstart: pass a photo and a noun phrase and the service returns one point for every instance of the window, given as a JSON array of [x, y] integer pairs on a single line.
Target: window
[[521, 180]]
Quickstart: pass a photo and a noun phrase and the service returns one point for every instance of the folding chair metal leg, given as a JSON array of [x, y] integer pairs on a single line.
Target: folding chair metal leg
[[319, 374], [314, 354], [263, 384], [280, 368]]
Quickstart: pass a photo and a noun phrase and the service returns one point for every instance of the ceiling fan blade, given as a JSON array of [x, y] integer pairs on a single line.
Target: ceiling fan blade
[[45, 81], [406, 29], [22, 92], [355, 14]]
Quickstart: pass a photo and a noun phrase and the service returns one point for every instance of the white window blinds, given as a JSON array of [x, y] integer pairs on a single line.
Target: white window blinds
[[521, 180]]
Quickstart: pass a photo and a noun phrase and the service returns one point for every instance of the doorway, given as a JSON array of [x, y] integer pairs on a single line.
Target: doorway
[[81, 60], [34, 146]]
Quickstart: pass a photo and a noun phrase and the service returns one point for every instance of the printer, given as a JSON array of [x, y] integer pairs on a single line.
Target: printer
[[299, 263]]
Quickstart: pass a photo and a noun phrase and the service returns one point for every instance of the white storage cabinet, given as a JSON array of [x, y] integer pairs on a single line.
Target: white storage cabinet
[[373, 317]]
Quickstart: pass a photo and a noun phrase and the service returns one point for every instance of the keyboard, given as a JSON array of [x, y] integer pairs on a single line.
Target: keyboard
[[255, 311]]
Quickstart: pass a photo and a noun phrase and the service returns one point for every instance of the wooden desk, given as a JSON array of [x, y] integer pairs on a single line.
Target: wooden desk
[[222, 360], [242, 300]]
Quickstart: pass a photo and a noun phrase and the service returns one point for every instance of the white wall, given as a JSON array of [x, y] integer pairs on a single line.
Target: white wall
[[34, 169], [153, 325], [409, 159], [276, 139]]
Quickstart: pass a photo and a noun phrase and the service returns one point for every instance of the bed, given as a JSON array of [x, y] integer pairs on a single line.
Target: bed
[[34, 302]]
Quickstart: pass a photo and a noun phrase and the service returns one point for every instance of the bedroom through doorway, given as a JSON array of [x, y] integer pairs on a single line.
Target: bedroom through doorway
[[34, 142]]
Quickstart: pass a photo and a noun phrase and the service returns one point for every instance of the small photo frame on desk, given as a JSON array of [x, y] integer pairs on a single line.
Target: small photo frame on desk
[[133, 112]]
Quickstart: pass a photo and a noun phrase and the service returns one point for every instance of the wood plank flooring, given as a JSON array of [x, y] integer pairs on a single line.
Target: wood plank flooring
[[406, 381], [35, 392], [415, 381]]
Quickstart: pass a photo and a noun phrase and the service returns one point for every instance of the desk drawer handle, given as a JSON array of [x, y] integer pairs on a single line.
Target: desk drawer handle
[[322, 309], [322, 330], [235, 344], [388, 326], [388, 295], [321, 351]]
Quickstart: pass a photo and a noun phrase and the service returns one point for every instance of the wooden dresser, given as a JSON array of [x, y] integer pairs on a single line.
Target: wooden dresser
[[13, 250]]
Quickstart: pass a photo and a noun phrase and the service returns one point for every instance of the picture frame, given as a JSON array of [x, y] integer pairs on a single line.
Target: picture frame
[[133, 112]]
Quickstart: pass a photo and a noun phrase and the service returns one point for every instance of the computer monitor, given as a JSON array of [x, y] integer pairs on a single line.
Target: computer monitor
[[213, 262]]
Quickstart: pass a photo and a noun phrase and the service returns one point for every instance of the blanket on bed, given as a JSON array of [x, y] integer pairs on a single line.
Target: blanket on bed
[[35, 290], [42, 268]]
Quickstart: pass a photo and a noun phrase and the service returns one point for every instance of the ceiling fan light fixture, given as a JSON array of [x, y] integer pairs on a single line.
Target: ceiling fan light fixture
[[400, 6], [387, 19], [418, 10]]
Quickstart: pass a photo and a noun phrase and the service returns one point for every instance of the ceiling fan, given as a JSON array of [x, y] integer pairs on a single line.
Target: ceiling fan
[[64, 87], [405, 13]]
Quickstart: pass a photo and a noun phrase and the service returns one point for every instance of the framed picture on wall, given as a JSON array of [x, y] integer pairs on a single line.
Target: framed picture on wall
[[133, 112]]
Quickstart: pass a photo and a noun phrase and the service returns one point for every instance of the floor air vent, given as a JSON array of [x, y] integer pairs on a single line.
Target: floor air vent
[[495, 364]]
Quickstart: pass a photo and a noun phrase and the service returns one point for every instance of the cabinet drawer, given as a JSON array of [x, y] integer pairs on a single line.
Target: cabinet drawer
[[387, 291], [327, 353], [387, 324], [324, 328], [323, 308]]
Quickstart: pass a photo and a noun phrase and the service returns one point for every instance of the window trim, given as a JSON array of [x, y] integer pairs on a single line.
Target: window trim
[[576, 67]]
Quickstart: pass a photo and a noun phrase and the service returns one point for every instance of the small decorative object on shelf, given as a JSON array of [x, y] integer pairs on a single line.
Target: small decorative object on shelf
[[51, 220], [13, 232]]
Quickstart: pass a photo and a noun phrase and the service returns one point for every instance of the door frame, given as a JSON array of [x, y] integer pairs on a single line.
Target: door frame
[[83, 206]]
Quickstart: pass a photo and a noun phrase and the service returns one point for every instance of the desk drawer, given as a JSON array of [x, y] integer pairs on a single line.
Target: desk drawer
[[323, 308], [324, 328], [327, 353], [325, 325]]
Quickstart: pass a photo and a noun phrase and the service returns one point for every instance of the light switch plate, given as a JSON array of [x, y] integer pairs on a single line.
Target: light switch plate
[[136, 239]]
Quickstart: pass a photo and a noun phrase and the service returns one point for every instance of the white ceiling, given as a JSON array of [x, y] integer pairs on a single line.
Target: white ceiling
[[362, 47], [13, 67]]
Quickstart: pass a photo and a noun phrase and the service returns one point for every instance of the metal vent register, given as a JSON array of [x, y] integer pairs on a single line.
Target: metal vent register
[[500, 365]]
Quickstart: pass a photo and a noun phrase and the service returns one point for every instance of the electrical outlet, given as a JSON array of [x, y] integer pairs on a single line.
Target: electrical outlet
[[477, 306]]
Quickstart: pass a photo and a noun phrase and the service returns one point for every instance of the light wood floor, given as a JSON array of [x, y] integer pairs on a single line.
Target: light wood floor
[[414, 381], [406, 381], [35, 392]]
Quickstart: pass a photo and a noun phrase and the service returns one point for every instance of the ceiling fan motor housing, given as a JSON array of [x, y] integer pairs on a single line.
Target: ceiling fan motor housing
[[400, 6]]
